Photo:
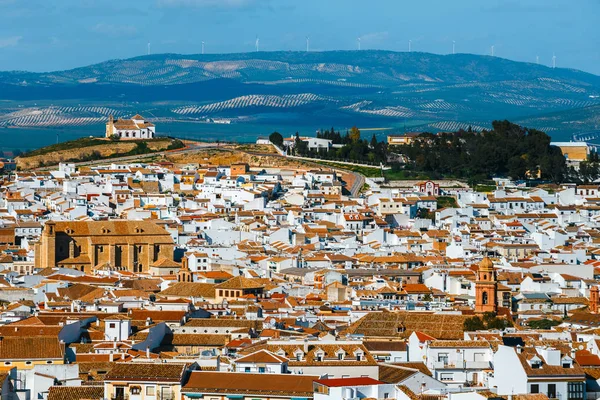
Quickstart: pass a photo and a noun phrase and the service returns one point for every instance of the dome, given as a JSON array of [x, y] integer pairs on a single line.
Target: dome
[[486, 264]]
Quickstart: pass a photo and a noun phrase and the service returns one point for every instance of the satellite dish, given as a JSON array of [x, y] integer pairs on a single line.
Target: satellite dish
[[580, 347], [272, 321]]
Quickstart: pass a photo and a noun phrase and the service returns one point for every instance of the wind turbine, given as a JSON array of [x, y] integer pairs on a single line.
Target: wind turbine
[[358, 40], [454, 47], [409, 45], [537, 59], [257, 43], [492, 50], [148, 48], [553, 60], [203, 47], [307, 44]]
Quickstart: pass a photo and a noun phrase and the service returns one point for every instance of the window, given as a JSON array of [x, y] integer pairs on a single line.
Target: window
[[535, 388], [446, 377], [340, 356], [552, 390], [261, 370], [575, 390], [443, 357], [150, 391], [247, 369], [135, 390], [112, 325]]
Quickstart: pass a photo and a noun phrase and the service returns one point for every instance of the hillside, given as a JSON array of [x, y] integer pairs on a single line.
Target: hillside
[[372, 88], [89, 149]]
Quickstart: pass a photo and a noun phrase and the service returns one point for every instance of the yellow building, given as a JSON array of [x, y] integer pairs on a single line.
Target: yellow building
[[143, 381], [87, 245], [402, 139], [573, 151], [237, 287], [24, 352]]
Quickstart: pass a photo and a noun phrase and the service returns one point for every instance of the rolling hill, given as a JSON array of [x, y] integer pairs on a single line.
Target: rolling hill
[[341, 88]]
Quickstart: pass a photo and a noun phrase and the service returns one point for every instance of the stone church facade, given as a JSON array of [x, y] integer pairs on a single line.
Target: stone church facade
[[134, 246]]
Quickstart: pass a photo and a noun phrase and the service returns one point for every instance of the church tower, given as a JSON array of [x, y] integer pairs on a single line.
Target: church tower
[[594, 299], [184, 274], [485, 287]]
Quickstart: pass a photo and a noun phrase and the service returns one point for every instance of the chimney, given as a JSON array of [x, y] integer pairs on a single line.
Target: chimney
[[148, 352], [111, 357]]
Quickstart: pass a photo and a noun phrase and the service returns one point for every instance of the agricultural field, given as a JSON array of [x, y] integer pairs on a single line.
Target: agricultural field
[[296, 91]]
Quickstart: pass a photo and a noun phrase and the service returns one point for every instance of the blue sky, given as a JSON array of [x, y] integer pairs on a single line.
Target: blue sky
[[45, 35]]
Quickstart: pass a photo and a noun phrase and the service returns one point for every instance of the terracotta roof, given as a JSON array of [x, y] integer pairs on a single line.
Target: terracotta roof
[[136, 372], [402, 324], [341, 382], [31, 348], [262, 356], [190, 289], [240, 282], [250, 384], [75, 392], [394, 374]]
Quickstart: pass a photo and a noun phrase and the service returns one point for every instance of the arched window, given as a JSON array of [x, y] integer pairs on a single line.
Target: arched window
[[484, 298]]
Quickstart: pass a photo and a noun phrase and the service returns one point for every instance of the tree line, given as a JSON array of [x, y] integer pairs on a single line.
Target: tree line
[[508, 150], [345, 147]]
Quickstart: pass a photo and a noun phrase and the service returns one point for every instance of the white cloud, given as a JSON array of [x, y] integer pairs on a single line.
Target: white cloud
[[115, 30], [10, 41]]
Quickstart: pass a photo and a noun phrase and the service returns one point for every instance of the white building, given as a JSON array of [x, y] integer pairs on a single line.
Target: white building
[[130, 129], [538, 370], [353, 388]]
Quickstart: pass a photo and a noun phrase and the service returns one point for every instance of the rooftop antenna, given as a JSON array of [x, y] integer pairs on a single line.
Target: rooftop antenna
[[492, 50], [148, 48], [537, 59], [203, 47], [409, 45], [257, 42], [358, 40], [307, 44], [454, 47], [553, 60]]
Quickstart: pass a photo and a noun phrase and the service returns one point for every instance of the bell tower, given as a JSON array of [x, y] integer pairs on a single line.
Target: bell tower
[[485, 287], [594, 299], [184, 274]]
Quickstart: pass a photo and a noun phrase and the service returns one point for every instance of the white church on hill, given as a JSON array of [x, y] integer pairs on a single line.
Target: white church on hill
[[130, 129]]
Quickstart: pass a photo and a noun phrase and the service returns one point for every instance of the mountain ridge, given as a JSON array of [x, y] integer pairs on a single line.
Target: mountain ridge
[[467, 67]]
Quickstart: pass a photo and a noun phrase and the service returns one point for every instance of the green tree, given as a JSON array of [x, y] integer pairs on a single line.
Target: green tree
[[543, 323], [276, 139], [473, 324], [354, 134]]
